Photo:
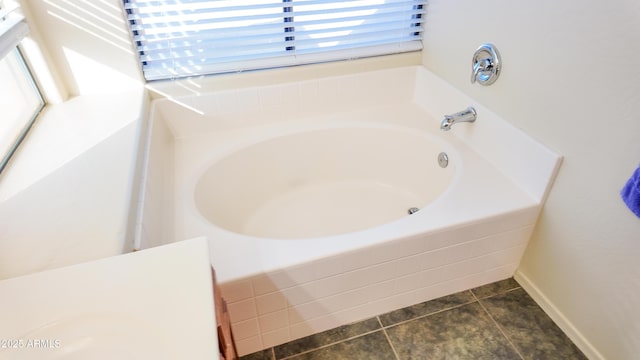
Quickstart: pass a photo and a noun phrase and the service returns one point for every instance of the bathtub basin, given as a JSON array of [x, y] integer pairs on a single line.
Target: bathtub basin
[[323, 182], [306, 210]]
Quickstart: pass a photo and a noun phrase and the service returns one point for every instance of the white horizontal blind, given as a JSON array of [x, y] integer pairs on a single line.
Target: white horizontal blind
[[13, 28], [178, 38]]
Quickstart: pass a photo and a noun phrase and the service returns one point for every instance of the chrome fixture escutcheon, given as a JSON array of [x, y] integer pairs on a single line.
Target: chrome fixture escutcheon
[[486, 65]]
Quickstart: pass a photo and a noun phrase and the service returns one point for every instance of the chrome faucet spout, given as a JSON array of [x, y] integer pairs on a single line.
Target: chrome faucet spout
[[468, 115]]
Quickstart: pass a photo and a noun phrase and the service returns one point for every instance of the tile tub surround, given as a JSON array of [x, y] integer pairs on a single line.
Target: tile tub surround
[[495, 321], [277, 307], [284, 290]]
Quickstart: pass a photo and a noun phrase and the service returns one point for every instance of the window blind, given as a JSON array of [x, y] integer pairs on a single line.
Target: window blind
[[179, 38]]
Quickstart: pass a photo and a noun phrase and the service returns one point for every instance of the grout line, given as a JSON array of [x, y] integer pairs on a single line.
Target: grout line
[[384, 331], [493, 295], [498, 325], [329, 345], [429, 314]]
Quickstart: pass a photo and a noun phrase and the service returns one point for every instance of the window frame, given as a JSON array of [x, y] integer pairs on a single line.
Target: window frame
[[28, 123]]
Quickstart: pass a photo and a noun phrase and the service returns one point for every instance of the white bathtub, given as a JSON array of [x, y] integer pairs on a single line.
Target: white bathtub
[[303, 191], [341, 178]]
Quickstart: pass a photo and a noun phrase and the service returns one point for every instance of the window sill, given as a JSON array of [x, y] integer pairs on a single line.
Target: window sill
[[65, 195]]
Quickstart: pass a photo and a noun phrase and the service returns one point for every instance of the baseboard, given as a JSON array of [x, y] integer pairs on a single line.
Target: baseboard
[[572, 332]]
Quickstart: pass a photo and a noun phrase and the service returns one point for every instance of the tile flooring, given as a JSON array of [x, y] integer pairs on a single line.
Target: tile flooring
[[495, 321]]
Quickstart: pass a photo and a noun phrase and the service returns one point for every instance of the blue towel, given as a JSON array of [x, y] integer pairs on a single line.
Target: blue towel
[[631, 192]]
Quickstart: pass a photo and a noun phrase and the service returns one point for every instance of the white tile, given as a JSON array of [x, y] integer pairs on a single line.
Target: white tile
[[300, 330], [353, 92], [245, 329], [272, 99], [397, 268], [467, 282], [443, 239], [341, 263], [390, 303], [500, 241], [408, 282], [397, 249], [273, 321], [373, 90], [324, 323], [237, 290], [430, 277], [262, 284], [340, 283], [242, 310], [277, 337], [349, 299], [206, 104], [283, 279], [309, 97], [330, 95], [295, 275], [510, 255], [307, 311], [457, 253], [476, 231], [250, 100], [504, 223], [298, 295], [227, 102], [433, 259], [250, 345], [387, 271], [332, 304], [461, 269], [271, 302], [434, 291], [500, 273], [294, 316], [378, 290], [355, 314], [291, 98], [415, 263]]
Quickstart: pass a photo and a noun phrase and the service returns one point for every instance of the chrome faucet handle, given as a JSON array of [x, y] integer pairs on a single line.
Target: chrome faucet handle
[[486, 65], [480, 67]]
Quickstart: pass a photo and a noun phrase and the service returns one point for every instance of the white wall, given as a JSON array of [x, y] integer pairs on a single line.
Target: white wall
[[87, 44], [571, 79]]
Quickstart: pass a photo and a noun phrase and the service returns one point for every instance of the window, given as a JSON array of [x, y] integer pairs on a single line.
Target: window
[[179, 38], [20, 100]]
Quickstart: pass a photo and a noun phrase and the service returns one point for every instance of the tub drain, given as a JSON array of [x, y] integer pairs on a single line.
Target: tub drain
[[413, 210], [443, 160]]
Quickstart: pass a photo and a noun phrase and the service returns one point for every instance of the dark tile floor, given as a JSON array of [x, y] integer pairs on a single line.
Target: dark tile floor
[[495, 321]]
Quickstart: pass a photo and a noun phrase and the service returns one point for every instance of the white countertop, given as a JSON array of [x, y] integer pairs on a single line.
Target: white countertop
[[152, 304]]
